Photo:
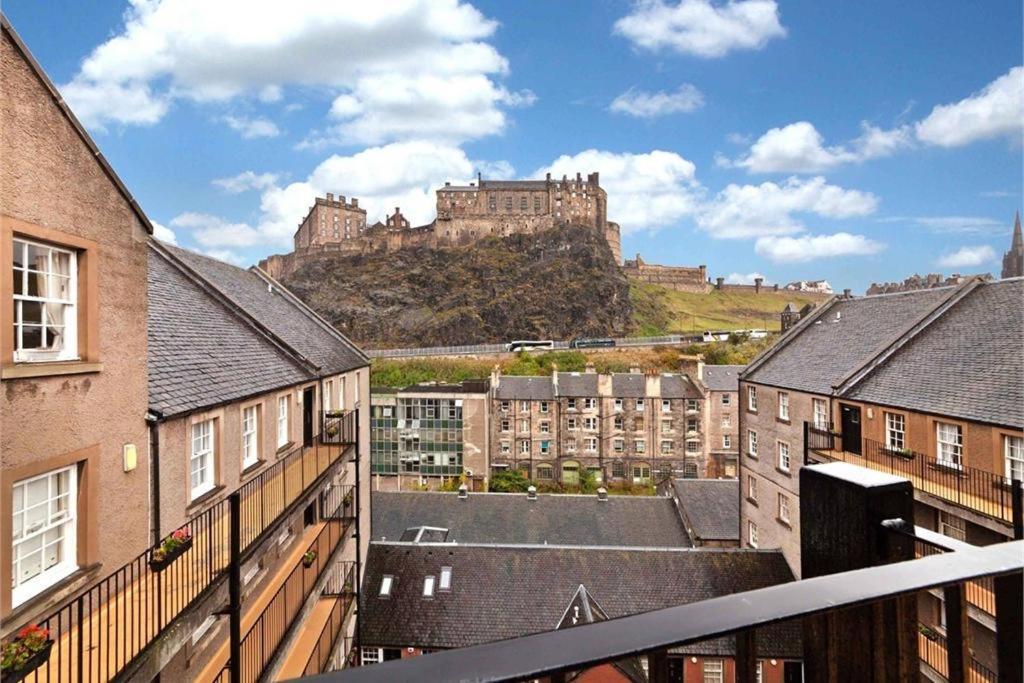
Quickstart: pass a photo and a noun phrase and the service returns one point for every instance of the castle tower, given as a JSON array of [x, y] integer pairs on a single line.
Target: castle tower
[[1013, 260]]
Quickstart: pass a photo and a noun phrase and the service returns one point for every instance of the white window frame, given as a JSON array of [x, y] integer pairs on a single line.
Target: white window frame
[[949, 445], [544, 407], [752, 442], [666, 405], [283, 410], [590, 424], [205, 454], [726, 422], [751, 487], [952, 526], [64, 525], [712, 671], [820, 409], [639, 404], [783, 405], [506, 447], [1013, 454], [752, 399], [328, 391], [444, 583], [591, 444], [429, 583], [387, 583], [726, 441], [895, 431], [524, 447], [618, 445], [639, 446], [341, 393], [783, 502], [784, 461], [618, 405], [68, 349], [250, 436], [751, 533]]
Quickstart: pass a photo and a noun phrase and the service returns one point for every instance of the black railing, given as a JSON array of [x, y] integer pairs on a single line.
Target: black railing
[[98, 634], [340, 589], [980, 593], [981, 491], [557, 653]]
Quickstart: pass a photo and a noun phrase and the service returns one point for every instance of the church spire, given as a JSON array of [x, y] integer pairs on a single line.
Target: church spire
[[1018, 241]]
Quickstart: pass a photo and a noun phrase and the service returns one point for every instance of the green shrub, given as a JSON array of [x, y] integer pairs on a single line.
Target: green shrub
[[509, 481]]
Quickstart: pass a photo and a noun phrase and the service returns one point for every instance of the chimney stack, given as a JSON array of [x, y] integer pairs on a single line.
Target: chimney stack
[[719, 281], [355, 203], [757, 283], [330, 196], [634, 371], [602, 494], [531, 493], [463, 492], [590, 369], [846, 294], [548, 177]]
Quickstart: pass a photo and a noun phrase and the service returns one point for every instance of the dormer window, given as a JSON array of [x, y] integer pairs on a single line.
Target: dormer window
[[386, 583]]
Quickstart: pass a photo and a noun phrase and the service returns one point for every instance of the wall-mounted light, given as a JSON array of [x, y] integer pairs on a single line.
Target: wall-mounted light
[[131, 457]]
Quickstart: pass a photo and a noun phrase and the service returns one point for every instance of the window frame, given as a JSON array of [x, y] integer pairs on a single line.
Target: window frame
[[23, 591], [783, 507], [891, 431], [69, 350], [784, 406], [752, 399], [821, 423], [283, 420], [1009, 457], [752, 443], [783, 462], [956, 447], [254, 433], [204, 487]]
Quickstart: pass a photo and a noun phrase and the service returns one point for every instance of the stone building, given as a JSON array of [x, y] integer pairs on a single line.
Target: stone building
[[916, 282], [634, 427], [331, 221], [681, 278], [927, 384], [429, 434], [790, 316], [723, 425], [1013, 260]]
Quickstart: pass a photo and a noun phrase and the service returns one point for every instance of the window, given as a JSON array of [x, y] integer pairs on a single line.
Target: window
[[428, 586], [506, 425], [506, 447], [591, 444], [691, 425], [692, 446], [726, 441], [692, 405], [543, 406], [201, 465], [618, 423], [783, 456], [43, 537], [752, 399], [640, 404], [783, 405], [952, 526], [618, 405], [639, 446], [690, 469], [895, 431], [589, 403], [752, 534], [524, 406], [45, 299], [282, 421], [341, 394], [545, 447], [524, 447], [545, 472], [783, 508], [618, 470], [751, 488], [713, 671], [570, 404], [666, 405], [590, 424], [1013, 449], [726, 399], [666, 426], [545, 427], [949, 438], [523, 203], [524, 426], [666, 447], [386, 583], [752, 442], [570, 445], [505, 406], [250, 437], [571, 423], [820, 413], [328, 392], [726, 422], [641, 473], [618, 445], [355, 386]]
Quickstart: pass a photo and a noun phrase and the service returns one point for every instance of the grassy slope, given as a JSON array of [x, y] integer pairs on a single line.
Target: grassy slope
[[657, 310]]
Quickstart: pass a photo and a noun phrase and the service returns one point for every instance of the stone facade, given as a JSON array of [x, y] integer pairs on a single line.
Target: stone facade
[[681, 278], [1013, 260], [915, 282], [331, 221], [723, 435]]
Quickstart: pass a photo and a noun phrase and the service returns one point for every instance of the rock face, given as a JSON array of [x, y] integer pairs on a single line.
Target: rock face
[[555, 284]]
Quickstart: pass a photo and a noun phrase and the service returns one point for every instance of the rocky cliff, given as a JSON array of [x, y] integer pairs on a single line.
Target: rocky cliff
[[555, 284]]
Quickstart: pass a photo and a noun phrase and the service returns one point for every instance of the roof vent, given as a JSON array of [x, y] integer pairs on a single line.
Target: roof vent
[[463, 492], [531, 493], [839, 315], [602, 494]]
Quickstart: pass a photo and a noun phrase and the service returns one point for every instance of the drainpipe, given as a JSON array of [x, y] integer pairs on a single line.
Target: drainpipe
[[153, 422]]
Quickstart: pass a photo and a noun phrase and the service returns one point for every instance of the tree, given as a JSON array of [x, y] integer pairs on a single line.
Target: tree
[[509, 481]]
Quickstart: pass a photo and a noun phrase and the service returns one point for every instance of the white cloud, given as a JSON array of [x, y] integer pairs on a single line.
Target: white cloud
[[747, 211], [645, 191], [406, 68], [968, 225], [700, 28], [743, 278], [163, 233], [212, 231], [996, 111], [998, 193], [968, 257], [739, 138], [226, 255], [781, 249], [495, 170], [247, 180], [647, 105], [799, 148], [258, 127]]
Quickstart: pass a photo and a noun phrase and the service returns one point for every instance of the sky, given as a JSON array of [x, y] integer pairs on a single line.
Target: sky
[[800, 139]]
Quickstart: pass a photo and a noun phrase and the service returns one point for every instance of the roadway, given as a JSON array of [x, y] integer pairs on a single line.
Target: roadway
[[490, 349]]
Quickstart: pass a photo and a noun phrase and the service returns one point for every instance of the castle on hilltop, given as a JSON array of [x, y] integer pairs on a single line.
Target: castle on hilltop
[[465, 214]]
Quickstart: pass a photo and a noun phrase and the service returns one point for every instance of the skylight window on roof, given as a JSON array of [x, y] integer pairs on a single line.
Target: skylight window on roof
[[446, 579], [428, 586], [386, 584]]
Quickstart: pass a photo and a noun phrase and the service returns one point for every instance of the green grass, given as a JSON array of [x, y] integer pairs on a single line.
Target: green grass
[[657, 310]]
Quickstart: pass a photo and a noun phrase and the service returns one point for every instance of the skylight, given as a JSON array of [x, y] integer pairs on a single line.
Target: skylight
[[446, 579], [428, 587], [385, 586]]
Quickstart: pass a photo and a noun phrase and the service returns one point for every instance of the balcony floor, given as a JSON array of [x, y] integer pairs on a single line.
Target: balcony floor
[[295, 659]]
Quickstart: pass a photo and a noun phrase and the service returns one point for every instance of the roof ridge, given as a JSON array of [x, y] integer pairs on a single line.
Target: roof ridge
[[788, 336]]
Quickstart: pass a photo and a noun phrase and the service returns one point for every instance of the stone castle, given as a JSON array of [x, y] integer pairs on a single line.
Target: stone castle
[[465, 214]]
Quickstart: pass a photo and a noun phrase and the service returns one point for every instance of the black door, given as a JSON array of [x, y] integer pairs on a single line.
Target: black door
[[308, 404], [851, 428], [793, 672], [675, 669]]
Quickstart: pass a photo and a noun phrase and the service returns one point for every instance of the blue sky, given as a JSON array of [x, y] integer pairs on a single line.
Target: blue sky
[[855, 141]]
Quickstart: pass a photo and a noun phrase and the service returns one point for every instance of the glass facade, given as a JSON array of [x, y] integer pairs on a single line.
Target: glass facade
[[417, 436]]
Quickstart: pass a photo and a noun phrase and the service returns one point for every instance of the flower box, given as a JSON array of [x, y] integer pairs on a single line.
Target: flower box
[[309, 558], [29, 651], [160, 562]]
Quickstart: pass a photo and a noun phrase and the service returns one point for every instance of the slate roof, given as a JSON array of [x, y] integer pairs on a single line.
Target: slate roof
[[711, 507], [722, 377], [577, 384], [629, 385], [511, 518], [201, 353], [969, 363], [279, 311], [679, 386], [528, 388], [817, 355], [502, 592]]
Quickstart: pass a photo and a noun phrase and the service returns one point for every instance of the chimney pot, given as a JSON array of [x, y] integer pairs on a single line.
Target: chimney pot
[[531, 493], [602, 494], [846, 293], [463, 492]]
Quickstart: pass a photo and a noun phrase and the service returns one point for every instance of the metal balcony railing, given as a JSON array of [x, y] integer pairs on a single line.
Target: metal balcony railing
[[980, 491], [101, 632]]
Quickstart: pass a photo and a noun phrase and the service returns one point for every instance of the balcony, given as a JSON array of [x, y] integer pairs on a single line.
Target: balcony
[[980, 491], [104, 631]]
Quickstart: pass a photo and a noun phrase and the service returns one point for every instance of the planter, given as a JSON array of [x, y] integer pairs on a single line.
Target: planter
[[308, 559], [33, 663], [896, 453], [164, 562]]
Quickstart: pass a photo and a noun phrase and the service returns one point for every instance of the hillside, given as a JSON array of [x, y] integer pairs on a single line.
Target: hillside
[[657, 310], [554, 284]]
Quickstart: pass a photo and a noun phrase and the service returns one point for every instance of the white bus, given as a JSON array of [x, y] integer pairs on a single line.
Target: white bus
[[527, 344]]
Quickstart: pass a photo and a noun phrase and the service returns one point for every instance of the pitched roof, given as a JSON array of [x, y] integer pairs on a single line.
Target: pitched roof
[[679, 386], [577, 384], [710, 507], [840, 337], [201, 352], [502, 592], [277, 309], [722, 377], [968, 363], [629, 385], [527, 388], [511, 518], [58, 100]]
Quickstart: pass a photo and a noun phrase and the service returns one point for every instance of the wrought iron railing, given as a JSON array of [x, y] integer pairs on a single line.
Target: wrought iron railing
[[979, 490], [980, 593], [340, 589], [99, 633]]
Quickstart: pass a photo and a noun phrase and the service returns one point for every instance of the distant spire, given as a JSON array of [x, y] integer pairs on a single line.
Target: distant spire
[[1018, 241]]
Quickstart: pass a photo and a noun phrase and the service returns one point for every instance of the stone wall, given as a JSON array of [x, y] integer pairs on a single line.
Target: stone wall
[[681, 278]]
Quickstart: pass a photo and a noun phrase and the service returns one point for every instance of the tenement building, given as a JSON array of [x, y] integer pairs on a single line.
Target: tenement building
[[723, 424], [927, 384], [181, 443]]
